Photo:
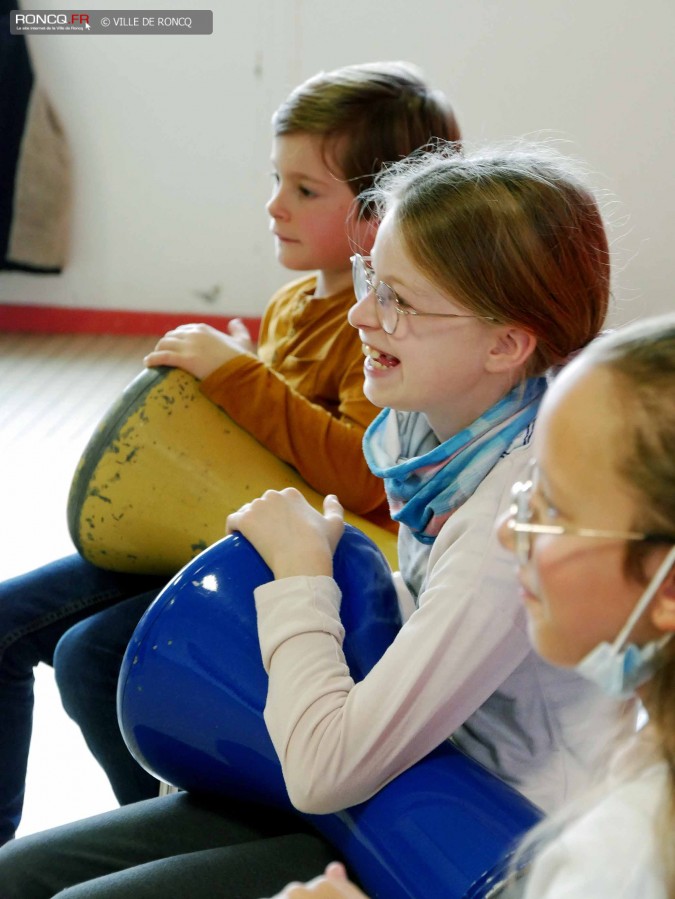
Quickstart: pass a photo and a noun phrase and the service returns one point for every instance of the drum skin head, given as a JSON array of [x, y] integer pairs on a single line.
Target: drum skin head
[[161, 473], [191, 695]]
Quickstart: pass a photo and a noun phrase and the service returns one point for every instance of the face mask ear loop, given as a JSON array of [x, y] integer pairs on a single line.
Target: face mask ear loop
[[659, 577]]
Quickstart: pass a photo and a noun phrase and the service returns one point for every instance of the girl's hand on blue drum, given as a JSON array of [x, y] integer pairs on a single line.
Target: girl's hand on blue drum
[[331, 885], [291, 536], [197, 349]]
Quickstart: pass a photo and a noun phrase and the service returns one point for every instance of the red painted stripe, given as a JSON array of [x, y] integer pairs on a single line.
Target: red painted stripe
[[61, 320]]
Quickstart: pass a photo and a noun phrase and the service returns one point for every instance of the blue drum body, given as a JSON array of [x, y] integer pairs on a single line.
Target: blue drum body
[[191, 694]]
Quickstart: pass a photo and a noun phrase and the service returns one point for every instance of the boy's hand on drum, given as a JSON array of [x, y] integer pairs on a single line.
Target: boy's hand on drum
[[239, 332], [292, 537], [197, 349], [334, 884]]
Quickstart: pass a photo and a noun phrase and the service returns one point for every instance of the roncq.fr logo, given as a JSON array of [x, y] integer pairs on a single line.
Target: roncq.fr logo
[[52, 18]]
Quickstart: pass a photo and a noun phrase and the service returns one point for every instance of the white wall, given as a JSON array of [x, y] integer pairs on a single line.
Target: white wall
[[170, 135]]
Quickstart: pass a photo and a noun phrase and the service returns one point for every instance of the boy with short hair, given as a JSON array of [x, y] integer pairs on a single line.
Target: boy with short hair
[[331, 136]]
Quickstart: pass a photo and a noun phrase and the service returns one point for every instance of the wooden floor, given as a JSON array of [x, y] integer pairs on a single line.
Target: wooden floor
[[53, 391]]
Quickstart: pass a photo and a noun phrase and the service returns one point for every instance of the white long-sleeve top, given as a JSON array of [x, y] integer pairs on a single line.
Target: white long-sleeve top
[[611, 852], [460, 666]]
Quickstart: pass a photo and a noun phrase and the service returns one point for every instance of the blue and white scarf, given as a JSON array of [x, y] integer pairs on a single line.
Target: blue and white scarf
[[426, 481]]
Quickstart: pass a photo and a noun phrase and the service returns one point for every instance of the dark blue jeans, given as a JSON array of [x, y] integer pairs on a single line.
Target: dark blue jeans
[[79, 619]]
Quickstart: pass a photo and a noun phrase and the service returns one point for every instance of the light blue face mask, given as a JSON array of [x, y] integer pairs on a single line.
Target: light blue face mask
[[617, 669]]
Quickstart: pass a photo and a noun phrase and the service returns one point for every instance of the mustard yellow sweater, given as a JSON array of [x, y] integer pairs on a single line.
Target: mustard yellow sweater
[[302, 398]]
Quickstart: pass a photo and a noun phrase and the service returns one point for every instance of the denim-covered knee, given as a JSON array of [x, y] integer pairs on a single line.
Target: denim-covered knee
[[72, 657], [83, 669], [88, 656]]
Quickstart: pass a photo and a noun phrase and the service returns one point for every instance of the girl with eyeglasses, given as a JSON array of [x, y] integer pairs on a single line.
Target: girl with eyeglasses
[[593, 533], [488, 270], [594, 536]]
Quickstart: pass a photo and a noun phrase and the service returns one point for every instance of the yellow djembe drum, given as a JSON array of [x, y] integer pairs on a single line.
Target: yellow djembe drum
[[162, 472]]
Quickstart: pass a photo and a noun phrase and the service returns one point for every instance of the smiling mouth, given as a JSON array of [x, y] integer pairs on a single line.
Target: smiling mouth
[[379, 360]]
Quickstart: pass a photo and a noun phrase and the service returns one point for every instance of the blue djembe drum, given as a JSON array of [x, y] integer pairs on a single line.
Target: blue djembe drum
[[191, 695]]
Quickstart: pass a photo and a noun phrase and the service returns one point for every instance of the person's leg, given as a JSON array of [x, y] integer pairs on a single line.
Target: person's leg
[[249, 870], [87, 664], [35, 610], [171, 847]]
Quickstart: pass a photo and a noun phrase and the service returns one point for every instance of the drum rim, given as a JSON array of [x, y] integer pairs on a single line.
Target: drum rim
[[107, 430]]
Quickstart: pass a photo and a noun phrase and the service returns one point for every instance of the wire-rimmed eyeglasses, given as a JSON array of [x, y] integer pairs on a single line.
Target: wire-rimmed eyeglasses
[[520, 523], [389, 304]]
